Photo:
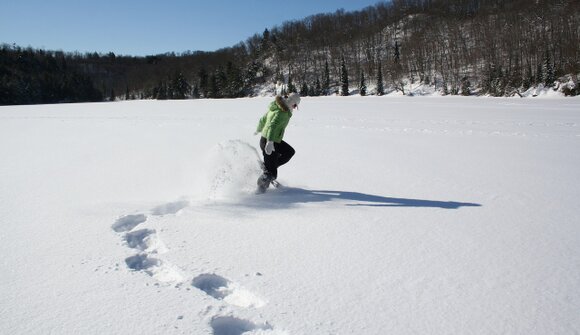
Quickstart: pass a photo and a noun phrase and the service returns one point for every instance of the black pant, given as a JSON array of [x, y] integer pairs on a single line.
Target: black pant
[[282, 153]]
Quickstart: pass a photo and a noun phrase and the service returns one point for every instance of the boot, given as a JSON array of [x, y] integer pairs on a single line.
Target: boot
[[264, 182]]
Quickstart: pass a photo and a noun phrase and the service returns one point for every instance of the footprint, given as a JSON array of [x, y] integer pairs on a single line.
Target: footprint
[[232, 293], [154, 267], [169, 208], [229, 325], [128, 222], [142, 262], [145, 240]]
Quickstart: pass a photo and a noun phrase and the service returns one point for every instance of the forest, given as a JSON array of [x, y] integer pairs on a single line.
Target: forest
[[460, 47]]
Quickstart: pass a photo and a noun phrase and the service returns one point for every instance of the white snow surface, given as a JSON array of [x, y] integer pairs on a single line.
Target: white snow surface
[[397, 215]]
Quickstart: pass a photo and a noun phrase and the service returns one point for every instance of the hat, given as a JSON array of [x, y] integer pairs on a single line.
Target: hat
[[293, 99]]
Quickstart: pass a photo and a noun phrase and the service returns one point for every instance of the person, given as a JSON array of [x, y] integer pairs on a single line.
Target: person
[[272, 126]]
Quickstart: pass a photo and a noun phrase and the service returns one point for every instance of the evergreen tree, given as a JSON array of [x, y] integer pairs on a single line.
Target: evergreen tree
[[169, 89], [496, 81], [265, 45], [221, 83], [363, 85], [213, 89], [343, 78], [528, 78], [397, 53], [465, 86], [318, 88], [235, 82], [251, 77], [304, 90], [195, 92], [160, 91], [179, 87], [291, 87], [311, 91], [550, 73], [539, 74], [326, 79], [380, 85], [152, 94], [203, 82]]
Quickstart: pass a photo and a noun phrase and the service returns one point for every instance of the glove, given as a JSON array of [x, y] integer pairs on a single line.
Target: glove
[[256, 133], [269, 148]]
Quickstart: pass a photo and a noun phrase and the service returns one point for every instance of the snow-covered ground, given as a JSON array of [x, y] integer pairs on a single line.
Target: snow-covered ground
[[398, 215]]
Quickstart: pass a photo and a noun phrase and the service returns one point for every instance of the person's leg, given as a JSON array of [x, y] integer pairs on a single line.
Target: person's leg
[[285, 152], [270, 161]]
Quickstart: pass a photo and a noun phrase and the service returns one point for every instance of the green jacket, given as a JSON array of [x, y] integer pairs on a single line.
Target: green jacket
[[273, 124]]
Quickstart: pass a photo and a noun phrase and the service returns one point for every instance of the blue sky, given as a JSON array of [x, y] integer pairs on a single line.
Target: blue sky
[[146, 27]]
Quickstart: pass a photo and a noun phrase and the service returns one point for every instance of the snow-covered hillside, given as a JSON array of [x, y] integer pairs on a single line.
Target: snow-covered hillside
[[398, 215]]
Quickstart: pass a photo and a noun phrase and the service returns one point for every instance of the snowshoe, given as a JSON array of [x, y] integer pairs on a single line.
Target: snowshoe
[[263, 183]]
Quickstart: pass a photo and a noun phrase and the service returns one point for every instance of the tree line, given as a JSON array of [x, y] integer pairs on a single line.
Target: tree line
[[467, 47], [35, 76]]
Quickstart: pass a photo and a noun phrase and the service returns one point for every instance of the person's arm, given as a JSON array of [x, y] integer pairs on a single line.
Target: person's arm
[[261, 124]]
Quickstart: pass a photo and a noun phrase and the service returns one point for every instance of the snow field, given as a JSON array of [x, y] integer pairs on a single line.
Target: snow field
[[397, 215]]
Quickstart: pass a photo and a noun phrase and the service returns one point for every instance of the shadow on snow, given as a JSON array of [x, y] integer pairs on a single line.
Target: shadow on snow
[[289, 196]]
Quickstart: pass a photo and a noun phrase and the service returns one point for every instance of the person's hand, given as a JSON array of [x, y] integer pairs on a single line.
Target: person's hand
[[256, 133], [269, 148]]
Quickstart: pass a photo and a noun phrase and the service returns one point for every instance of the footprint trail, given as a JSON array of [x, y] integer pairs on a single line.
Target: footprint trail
[[148, 260], [148, 243]]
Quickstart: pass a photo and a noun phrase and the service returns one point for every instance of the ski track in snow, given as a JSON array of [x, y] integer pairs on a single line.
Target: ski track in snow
[[149, 247]]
